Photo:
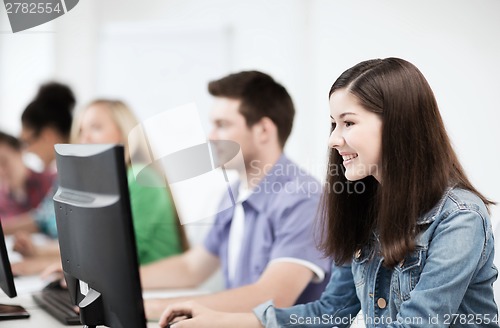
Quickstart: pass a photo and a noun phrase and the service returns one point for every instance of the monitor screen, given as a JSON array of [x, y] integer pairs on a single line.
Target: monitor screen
[[96, 236], [6, 277]]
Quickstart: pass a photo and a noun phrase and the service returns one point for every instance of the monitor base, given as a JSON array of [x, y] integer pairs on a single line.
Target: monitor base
[[9, 312]]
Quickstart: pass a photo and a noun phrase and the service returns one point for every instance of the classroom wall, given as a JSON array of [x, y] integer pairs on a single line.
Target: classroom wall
[[305, 44]]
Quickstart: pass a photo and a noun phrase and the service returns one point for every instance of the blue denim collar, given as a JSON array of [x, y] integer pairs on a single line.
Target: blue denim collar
[[430, 216]]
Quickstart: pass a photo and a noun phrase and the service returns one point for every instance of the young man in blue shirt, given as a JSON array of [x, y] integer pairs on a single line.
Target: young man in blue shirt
[[265, 244]]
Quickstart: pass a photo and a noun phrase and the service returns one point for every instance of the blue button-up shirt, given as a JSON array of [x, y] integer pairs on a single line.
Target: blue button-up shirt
[[279, 222], [446, 282]]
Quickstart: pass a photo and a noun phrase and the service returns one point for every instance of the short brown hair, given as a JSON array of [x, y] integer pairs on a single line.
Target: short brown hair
[[261, 96]]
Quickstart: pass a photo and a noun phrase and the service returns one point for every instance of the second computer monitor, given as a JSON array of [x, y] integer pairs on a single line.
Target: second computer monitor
[[8, 311], [6, 278], [96, 235]]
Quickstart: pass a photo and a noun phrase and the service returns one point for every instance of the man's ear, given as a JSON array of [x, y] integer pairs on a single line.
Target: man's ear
[[267, 130]]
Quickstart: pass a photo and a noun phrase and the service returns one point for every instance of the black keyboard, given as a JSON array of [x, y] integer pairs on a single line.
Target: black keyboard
[[57, 302]]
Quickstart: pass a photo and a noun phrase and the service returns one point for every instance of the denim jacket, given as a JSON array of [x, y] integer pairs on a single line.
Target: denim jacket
[[446, 282]]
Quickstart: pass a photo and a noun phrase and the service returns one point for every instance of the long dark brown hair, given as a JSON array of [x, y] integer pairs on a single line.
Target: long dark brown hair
[[418, 164]]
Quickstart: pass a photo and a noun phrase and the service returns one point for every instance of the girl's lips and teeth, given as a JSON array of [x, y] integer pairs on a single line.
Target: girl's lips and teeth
[[348, 157]]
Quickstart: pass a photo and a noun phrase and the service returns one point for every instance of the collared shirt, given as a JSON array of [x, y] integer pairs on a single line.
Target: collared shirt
[[279, 225], [236, 232], [446, 282]]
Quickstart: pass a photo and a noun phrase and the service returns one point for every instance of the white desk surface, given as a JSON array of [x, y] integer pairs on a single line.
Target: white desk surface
[[25, 286], [38, 317], [41, 319]]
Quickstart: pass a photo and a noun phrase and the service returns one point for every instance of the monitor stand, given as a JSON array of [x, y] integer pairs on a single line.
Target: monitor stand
[[91, 309]]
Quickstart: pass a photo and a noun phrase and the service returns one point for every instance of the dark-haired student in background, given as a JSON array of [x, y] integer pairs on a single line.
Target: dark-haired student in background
[[46, 121]]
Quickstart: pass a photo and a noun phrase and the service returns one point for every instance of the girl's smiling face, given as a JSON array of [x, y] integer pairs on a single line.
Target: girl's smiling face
[[356, 135]]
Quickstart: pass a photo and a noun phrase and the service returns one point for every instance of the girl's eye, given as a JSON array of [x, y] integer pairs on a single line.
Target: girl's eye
[[348, 124], [334, 125]]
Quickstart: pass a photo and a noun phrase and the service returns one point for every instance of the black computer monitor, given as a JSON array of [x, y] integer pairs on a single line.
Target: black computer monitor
[[8, 311], [96, 235]]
